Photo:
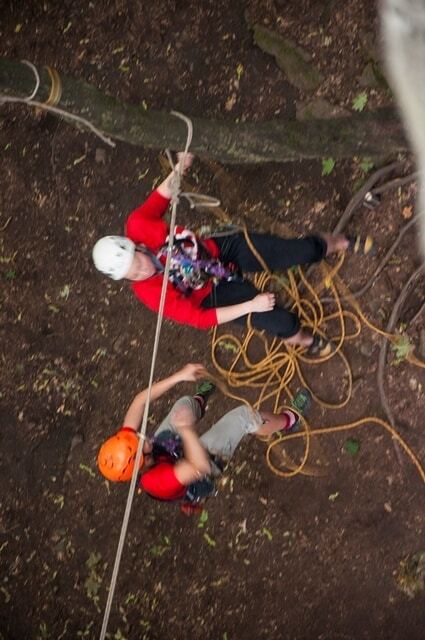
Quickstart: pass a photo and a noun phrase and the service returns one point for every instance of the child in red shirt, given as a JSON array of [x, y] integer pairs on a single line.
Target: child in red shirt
[[180, 464]]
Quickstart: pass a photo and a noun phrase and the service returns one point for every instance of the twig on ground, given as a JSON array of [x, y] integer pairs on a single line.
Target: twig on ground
[[358, 198], [6, 224], [380, 267], [384, 348], [394, 184], [418, 313]]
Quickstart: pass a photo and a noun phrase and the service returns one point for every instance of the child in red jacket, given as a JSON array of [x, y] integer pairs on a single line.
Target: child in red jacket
[[181, 465]]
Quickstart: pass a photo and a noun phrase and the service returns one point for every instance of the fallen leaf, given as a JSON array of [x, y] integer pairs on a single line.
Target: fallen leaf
[[203, 518], [402, 348], [80, 159], [352, 446], [407, 212], [360, 101], [266, 532], [230, 103], [209, 540], [328, 165], [318, 207]]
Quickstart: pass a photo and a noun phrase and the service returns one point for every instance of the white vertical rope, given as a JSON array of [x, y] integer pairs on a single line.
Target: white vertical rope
[[175, 189]]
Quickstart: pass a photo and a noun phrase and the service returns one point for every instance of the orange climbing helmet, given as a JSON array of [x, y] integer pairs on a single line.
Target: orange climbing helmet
[[116, 456]]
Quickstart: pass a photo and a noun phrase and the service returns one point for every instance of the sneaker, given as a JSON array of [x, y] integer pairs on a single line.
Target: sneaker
[[301, 404], [302, 401], [203, 391], [205, 388], [320, 347]]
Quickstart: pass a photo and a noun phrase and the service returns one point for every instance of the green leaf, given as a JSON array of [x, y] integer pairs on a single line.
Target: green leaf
[[352, 446], [366, 165], [209, 540], [53, 309], [402, 347], [93, 559], [360, 101], [328, 165], [266, 532], [65, 291], [158, 550], [228, 346], [87, 469], [203, 518]]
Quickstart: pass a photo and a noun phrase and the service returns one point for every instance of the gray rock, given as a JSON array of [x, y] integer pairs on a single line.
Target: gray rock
[[368, 77], [100, 155], [366, 349], [319, 109], [289, 57]]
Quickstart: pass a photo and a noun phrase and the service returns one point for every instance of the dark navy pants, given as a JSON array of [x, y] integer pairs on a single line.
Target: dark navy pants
[[279, 254]]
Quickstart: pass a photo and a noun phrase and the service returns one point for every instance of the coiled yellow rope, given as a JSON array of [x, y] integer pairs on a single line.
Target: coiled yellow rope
[[272, 374]]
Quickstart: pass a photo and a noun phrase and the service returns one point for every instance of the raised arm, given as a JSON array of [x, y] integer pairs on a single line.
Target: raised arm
[[134, 415], [153, 209], [164, 188]]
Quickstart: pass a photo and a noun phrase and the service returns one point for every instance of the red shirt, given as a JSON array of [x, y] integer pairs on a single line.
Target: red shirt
[[161, 482], [146, 226]]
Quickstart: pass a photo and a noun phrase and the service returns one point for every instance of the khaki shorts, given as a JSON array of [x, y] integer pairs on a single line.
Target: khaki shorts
[[223, 438]]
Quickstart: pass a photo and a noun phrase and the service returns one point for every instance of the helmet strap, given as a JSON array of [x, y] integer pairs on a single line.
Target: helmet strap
[[141, 248]]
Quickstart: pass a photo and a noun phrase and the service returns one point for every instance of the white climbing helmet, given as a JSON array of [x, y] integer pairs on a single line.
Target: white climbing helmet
[[113, 256]]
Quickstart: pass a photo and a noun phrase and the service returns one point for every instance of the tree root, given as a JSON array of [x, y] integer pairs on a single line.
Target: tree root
[[384, 349]]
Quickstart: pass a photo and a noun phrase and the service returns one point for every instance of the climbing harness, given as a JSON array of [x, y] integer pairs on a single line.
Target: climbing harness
[[188, 272]]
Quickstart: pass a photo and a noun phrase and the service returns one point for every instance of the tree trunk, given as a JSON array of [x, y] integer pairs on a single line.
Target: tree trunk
[[375, 133]]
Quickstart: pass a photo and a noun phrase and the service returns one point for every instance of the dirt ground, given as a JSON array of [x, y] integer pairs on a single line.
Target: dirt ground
[[302, 559]]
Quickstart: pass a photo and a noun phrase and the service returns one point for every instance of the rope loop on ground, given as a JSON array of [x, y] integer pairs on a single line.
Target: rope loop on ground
[[55, 89], [37, 79]]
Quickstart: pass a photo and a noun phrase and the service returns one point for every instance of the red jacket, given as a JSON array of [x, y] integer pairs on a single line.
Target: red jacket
[[146, 226]]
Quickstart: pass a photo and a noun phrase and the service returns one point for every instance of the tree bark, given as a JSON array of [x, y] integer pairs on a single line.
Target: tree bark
[[374, 133]]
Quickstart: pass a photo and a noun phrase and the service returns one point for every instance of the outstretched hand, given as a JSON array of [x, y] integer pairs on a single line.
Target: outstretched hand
[[192, 372]]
